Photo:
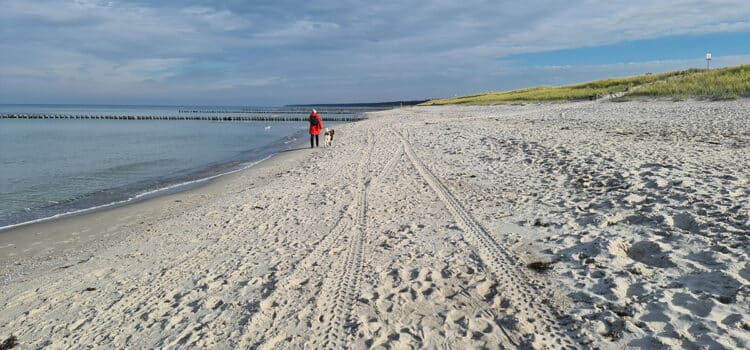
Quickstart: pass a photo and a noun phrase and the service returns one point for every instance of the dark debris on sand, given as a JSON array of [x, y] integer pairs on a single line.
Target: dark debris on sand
[[541, 266], [9, 343]]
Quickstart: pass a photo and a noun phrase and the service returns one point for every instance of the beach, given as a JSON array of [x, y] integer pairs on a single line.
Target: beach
[[572, 225]]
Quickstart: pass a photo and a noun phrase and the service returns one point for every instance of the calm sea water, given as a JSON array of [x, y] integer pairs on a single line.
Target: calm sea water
[[55, 167]]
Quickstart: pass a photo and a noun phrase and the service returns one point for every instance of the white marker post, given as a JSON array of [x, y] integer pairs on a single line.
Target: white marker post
[[708, 60]]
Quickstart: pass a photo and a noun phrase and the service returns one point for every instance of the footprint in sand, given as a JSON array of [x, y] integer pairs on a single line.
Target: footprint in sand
[[649, 253]]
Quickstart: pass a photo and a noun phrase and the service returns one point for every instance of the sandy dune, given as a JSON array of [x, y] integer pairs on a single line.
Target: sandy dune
[[415, 231]]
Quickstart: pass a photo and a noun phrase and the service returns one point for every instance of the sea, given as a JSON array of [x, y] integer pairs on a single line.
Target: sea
[[51, 168]]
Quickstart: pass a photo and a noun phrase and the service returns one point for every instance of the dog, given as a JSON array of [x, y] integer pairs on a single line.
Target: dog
[[328, 137]]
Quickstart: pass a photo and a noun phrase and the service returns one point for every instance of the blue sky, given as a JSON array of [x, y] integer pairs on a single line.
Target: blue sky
[[279, 52]]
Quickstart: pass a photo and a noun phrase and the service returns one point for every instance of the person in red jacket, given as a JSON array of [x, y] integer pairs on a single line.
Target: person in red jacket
[[316, 124]]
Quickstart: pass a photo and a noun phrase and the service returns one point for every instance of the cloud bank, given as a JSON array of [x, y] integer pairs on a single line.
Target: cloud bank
[[276, 52]]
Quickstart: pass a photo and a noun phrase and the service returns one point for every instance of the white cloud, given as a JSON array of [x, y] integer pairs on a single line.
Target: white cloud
[[153, 69], [218, 19], [318, 47], [585, 24], [299, 30], [241, 83], [71, 66]]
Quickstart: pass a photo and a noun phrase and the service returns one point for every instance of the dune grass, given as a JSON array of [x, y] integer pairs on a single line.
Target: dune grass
[[723, 83], [718, 84]]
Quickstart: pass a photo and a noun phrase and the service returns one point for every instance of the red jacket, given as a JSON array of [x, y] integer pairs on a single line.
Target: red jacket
[[315, 129]]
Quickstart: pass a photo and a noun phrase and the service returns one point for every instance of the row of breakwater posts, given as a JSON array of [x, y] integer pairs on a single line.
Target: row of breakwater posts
[[276, 111], [247, 118]]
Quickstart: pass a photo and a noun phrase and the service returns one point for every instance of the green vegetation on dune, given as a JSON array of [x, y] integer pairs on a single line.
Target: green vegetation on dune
[[723, 83], [556, 94], [718, 84]]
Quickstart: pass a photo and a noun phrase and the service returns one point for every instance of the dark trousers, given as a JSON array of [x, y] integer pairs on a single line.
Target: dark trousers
[[317, 140]]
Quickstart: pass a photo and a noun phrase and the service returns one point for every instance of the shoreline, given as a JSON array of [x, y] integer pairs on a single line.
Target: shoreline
[[594, 224], [139, 197], [167, 184], [55, 241]]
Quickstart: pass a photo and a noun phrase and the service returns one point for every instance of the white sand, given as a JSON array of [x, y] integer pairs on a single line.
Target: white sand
[[415, 230]]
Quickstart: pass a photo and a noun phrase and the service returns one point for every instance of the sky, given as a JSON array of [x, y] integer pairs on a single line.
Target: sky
[[271, 53]]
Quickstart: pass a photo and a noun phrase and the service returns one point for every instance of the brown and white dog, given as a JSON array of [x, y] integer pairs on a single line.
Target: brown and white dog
[[328, 137]]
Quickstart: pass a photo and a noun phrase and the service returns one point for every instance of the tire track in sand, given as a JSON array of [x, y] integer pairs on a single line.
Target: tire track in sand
[[536, 313], [334, 315], [266, 327], [269, 327]]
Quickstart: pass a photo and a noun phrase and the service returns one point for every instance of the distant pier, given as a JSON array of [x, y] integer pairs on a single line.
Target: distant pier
[[227, 118]]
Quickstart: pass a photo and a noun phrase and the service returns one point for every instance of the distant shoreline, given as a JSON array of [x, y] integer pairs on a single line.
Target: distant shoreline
[[389, 104]]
